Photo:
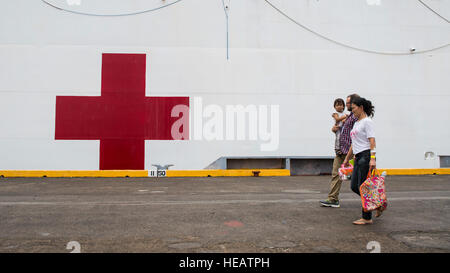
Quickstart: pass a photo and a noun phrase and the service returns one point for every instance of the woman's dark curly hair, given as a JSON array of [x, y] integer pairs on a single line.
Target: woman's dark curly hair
[[366, 104]]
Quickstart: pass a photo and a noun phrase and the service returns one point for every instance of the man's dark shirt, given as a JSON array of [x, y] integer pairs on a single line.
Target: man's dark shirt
[[345, 141]]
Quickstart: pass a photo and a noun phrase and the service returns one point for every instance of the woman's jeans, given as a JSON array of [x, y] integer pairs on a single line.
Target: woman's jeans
[[359, 175]]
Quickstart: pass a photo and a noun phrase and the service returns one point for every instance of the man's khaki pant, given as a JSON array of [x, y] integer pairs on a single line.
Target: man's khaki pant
[[335, 179]]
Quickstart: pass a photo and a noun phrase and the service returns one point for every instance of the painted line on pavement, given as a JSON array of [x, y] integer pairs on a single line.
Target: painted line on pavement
[[206, 202]]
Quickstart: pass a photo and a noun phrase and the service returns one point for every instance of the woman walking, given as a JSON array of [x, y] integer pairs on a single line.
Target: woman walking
[[363, 147]]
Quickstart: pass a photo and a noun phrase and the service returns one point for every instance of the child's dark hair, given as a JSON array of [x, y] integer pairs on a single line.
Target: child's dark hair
[[366, 104], [339, 102]]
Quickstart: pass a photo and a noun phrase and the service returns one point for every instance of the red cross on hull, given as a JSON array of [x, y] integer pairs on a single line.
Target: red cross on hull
[[122, 118]]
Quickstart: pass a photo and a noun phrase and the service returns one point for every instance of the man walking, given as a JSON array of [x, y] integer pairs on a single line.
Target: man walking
[[344, 145]]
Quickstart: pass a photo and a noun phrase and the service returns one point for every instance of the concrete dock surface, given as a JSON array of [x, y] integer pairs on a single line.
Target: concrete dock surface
[[218, 214]]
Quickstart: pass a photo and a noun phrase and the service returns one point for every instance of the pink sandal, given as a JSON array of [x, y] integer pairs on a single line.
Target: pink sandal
[[362, 222]]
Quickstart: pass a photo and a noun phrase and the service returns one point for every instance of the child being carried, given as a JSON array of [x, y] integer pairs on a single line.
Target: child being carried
[[339, 116]]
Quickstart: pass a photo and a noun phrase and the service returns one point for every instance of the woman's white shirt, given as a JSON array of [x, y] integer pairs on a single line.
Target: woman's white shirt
[[360, 134]]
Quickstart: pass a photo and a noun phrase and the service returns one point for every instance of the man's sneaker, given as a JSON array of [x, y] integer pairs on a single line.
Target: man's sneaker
[[329, 203]]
